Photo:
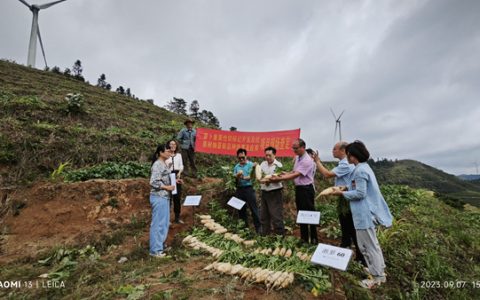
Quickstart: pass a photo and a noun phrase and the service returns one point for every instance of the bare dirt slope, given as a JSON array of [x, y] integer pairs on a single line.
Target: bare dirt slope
[[75, 213]]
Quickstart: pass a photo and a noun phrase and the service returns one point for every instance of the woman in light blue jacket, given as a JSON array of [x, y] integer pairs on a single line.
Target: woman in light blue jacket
[[368, 210]]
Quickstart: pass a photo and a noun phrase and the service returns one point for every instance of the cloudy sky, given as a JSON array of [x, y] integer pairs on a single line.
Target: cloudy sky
[[406, 72]]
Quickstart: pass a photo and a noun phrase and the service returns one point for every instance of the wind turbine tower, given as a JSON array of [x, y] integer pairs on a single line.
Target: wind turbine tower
[[338, 125], [32, 46]]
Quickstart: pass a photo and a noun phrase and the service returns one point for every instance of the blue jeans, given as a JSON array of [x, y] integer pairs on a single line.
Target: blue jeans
[[160, 223]]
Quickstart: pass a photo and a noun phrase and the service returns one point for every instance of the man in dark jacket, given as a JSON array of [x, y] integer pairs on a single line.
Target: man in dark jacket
[[187, 137]]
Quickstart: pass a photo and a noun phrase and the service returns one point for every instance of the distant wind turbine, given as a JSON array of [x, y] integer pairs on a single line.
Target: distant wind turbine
[[338, 125], [32, 47]]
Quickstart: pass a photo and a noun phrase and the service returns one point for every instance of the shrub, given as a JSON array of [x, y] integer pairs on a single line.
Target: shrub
[[75, 103], [109, 170]]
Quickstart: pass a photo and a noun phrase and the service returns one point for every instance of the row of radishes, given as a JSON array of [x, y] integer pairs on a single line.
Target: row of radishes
[[272, 279], [196, 244], [284, 252], [217, 228]]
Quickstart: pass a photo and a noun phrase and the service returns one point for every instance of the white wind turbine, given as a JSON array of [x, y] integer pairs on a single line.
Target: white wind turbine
[[32, 47], [338, 125]]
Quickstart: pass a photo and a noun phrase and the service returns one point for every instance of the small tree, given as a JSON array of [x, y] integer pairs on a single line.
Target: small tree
[[203, 116], [56, 70], [128, 93], [177, 105], [194, 109], [102, 81], [77, 70], [213, 120], [67, 72], [121, 90], [108, 86], [233, 128], [207, 117]]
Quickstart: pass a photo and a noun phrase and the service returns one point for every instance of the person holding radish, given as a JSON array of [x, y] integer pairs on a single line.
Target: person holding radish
[[243, 175], [368, 210]]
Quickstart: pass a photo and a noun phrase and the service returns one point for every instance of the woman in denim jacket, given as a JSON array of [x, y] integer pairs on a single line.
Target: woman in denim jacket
[[160, 200]]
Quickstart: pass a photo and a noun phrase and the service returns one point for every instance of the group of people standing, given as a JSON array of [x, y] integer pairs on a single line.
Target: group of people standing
[[361, 205]]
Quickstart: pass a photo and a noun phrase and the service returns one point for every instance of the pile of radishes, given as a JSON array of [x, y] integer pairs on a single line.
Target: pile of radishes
[[196, 244], [283, 252], [217, 228], [210, 223], [272, 279]]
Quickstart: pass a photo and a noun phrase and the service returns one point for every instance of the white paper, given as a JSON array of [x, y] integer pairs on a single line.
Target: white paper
[[331, 256], [192, 200], [236, 203], [173, 181], [308, 217]]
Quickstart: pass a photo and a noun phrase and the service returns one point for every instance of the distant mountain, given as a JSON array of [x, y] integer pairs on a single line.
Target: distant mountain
[[470, 177], [418, 175]]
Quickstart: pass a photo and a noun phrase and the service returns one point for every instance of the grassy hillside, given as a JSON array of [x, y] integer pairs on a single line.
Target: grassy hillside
[[37, 133], [418, 175]]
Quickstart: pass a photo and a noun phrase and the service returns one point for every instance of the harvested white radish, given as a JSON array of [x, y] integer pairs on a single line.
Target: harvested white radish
[[249, 243], [208, 267], [258, 172], [288, 253], [236, 269], [331, 190], [276, 251]]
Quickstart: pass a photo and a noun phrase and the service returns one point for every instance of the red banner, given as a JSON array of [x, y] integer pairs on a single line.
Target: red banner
[[227, 142]]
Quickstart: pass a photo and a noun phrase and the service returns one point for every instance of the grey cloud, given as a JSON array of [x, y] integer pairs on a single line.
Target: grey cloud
[[407, 72]]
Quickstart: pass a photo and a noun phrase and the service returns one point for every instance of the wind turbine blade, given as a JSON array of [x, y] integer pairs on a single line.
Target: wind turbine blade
[[341, 114], [41, 45], [25, 2], [47, 5], [333, 114]]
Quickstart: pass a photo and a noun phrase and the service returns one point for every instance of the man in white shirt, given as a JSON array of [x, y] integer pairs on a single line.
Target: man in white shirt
[[271, 211]]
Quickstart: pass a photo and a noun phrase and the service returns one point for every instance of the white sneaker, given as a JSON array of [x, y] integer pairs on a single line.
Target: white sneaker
[[158, 255], [371, 283], [366, 270]]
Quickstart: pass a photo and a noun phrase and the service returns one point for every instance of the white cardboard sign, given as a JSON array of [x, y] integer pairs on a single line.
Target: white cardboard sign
[[308, 217], [192, 200], [173, 181], [331, 256], [236, 203]]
